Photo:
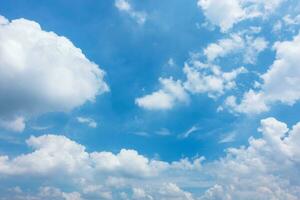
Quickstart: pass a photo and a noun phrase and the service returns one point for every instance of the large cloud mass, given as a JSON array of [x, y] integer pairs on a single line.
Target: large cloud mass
[[42, 72], [268, 168]]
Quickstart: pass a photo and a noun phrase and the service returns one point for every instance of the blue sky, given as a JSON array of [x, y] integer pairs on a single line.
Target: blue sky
[[124, 97]]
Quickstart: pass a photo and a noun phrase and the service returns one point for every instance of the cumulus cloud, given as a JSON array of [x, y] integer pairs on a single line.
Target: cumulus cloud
[[58, 156], [280, 83], [172, 92], [125, 6], [42, 72], [249, 46], [88, 121], [267, 168], [45, 193], [210, 79], [227, 13], [200, 78]]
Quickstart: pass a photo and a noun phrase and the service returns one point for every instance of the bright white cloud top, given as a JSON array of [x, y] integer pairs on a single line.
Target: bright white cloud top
[[42, 72], [227, 13], [280, 84], [250, 172]]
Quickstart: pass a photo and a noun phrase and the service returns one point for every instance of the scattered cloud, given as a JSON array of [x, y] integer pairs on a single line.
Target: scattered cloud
[[171, 92], [208, 78], [200, 78], [280, 84], [187, 134], [246, 45], [42, 72], [163, 132], [15, 125], [227, 13], [126, 7], [88, 121], [227, 138]]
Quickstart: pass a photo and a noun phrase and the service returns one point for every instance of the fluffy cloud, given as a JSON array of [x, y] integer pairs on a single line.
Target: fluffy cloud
[[210, 79], [265, 169], [42, 72], [222, 13], [249, 46], [226, 13], [45, 193], [165, 98], [200, 78], [281, 83], [57, 156], [124, 6]]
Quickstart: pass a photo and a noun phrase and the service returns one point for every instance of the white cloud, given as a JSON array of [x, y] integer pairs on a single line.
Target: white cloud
[[227, 13], [189, 132], [200, 78], [247, 172], [281, 83], [88, 121], [222, 13], [42, 72], [210, 79], [227, 138], [266, 169], [16, 125], [139, 193], [124, 6], [246, 45], [172, 92], [59, 159], [170, 191]]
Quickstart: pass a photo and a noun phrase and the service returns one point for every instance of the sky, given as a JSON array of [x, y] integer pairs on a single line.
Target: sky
[[148, 100]]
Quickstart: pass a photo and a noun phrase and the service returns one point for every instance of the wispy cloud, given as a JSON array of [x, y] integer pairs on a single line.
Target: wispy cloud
[[88, 121], [187, 134], [163, 132], [125, 6], [227, 138]]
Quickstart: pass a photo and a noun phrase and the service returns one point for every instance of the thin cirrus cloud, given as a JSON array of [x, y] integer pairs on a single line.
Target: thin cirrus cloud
[[125, 6], [42, 72]]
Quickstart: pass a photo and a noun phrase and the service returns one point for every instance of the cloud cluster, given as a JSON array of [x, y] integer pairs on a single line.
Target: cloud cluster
[[249, 46], [280, 84], [265, 169], [227, 13], [96, 173], [200, 78], [42, 72]]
